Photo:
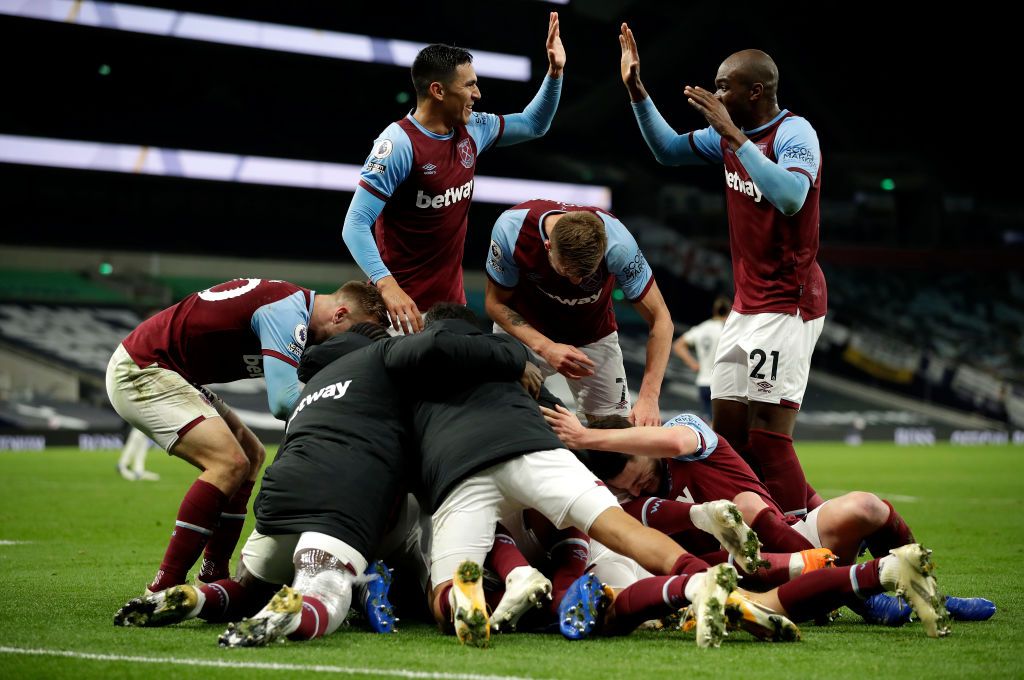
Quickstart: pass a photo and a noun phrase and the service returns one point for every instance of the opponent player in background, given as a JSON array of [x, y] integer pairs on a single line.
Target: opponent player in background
[[416, 185], [772, 178], [704, 339], [245, 328], [550, 275]]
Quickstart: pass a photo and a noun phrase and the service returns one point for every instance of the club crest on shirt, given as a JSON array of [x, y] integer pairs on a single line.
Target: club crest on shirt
[[763, 148], [384, 149], [466, 154]]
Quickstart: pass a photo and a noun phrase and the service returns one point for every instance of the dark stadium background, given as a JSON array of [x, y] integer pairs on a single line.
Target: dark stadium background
[[905, 93]]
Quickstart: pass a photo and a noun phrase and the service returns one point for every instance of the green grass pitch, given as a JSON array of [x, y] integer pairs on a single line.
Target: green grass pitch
[[77, 541]]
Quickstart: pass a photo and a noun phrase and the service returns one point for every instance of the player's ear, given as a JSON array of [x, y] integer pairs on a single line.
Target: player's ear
[[340, 314], [437, 90], [547, 244], [756, 91]]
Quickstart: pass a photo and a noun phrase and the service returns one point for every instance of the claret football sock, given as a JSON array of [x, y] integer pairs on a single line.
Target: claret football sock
[[820, 592], [217, 556], [776, 535], [197, 516], [893, 534], [781, 470]]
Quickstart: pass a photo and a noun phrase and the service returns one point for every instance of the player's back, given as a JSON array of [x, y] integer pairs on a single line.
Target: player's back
[[208, 337]]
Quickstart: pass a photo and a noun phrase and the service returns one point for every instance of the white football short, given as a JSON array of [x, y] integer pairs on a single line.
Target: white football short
[[157, 401], [765, 357], [555, 483], [613, 569], [606, 392], [271, 558], [808, 526]]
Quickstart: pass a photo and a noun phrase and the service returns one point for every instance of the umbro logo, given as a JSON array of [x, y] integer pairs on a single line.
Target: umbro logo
[[429, 169], [764, 386]]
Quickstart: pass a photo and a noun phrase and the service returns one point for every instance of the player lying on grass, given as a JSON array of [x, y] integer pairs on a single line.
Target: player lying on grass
[[321, 510], [656, 465]]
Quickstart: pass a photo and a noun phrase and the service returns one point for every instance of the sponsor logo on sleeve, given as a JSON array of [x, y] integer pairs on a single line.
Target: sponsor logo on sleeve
[[374, 166], [634, 269], [800, 154], [383, 149]]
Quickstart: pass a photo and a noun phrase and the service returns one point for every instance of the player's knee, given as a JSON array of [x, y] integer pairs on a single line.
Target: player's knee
[[867, 508], [232, 464], [749, 504], [254, 451]]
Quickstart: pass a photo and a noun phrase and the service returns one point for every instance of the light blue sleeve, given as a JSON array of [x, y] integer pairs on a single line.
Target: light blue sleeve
[[708, 438], [485, 129], [625, 260], [784, 189], [535, 119], [358, 235], [797, 148], [283, 387], [501, 266], [670, 148], [281, 327], [388, 164]]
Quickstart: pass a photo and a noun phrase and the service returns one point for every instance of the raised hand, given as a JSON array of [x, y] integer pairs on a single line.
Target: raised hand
[[629, 64], [556, 53]]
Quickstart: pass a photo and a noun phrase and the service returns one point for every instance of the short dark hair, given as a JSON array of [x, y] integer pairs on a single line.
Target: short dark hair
[[606, 464], [451, 310], [437, 63]]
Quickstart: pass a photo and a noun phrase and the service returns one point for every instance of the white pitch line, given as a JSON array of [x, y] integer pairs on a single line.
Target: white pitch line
[[213, 663], [15, 542]]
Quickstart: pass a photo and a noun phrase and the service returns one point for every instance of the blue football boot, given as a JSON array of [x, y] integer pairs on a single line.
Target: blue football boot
[[581, 610], [379, 612], [970, 608]]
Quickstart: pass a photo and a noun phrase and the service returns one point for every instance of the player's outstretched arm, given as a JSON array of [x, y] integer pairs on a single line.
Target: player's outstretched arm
[[535, 120], [566, 359], [652, 442], [362, 213], [655, 312]]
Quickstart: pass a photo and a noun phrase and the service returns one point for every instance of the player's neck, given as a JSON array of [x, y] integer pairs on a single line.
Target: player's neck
[[431, 120], [761, 118]]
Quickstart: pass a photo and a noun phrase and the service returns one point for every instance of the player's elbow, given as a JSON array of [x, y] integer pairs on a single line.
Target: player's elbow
[[280, 409], [684, 441], [790, 207]]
